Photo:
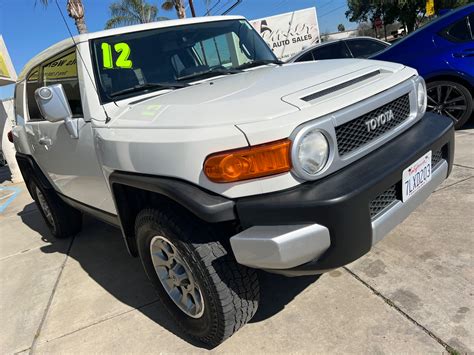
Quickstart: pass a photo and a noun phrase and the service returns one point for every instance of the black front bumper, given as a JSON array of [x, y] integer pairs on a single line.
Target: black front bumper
[[341, 201]]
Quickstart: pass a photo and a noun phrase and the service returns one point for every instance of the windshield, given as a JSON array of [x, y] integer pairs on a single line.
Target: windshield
[[134, 63]]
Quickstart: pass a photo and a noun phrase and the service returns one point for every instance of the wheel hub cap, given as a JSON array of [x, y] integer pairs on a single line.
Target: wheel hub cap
[[44, 206], [176, 277], [447, 100]]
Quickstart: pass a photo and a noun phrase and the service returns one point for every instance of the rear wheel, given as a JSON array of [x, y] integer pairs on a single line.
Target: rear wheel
[[450, 99], [199, 282], [62, 220]]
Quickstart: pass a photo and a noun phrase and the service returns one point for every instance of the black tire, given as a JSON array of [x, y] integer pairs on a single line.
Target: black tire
[[436, 104], [64, 221], [230, 291]]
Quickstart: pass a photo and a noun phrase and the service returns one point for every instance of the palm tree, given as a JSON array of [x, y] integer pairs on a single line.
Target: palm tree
[[75, 10], [178, 5], [132, 12]]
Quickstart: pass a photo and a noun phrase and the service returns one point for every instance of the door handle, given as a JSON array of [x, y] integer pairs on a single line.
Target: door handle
[[45, 141]]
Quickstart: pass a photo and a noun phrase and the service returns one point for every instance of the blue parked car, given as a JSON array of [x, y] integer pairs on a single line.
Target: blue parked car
[[443, 53]]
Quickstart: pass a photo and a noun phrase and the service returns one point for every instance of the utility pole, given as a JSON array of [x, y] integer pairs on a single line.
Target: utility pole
[[191, 6]]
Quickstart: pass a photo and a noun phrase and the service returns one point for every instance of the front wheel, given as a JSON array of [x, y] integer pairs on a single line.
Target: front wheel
[[199, 282], [450, 99]]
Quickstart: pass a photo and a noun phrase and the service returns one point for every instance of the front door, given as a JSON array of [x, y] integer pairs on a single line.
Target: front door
[[71, 164]]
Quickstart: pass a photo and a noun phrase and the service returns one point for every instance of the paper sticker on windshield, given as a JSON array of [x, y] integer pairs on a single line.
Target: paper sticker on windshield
[[123, 51]]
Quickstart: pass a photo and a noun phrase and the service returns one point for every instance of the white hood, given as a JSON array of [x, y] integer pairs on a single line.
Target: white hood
[[261, 94]]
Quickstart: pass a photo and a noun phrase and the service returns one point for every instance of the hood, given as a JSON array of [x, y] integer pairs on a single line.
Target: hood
[[260, 94]]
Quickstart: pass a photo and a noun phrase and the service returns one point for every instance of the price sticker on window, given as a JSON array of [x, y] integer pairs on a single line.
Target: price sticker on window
[[122, 61]]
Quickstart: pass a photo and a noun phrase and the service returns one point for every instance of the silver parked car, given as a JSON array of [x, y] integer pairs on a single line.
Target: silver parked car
[[354, 47]]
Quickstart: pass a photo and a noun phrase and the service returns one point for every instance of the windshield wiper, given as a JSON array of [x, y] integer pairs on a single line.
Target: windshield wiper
[[257, 63], [209, 73], [149, 86]]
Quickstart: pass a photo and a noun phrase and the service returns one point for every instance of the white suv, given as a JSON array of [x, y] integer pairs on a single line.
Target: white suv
[[215, 159]]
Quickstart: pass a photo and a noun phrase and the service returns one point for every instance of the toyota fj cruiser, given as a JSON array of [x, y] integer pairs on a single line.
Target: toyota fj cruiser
[[215, 159]]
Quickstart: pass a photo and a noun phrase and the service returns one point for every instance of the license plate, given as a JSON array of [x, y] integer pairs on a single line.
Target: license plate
[[416, 176]]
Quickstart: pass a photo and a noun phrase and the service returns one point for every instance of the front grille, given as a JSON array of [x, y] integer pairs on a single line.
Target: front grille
[[354, 134], [386, 198], [436, 157], [382, 201]]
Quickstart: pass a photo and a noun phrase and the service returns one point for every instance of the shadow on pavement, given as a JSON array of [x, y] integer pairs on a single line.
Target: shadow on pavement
[[277, 291], [101, 252], [5, 174]]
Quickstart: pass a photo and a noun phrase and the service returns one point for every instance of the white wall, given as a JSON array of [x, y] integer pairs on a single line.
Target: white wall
[[6, 121], [341, 35]]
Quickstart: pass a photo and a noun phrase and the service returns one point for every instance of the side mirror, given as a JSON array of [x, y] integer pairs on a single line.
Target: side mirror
[[53, 104]]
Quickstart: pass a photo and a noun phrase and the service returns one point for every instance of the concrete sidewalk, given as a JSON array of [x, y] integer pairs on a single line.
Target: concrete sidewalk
[[412, 293]]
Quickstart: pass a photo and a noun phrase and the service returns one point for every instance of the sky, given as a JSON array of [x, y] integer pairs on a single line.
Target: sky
[[27, 29]]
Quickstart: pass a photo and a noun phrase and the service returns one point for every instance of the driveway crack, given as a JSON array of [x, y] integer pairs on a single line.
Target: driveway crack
[[50, 300], [455, 183], [102, 320], [388, 301], [463, 166]]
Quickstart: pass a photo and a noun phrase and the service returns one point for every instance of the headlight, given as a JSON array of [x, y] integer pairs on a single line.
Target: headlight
[[312, 152], [421, 95]]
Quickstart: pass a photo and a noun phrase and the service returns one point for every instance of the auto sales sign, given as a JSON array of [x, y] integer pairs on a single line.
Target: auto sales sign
[[289, 33]]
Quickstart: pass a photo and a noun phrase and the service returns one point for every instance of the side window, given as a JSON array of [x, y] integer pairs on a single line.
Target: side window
[[364, 48], [32, 83], [459, 31], [331, 51], [307, 57], [63, 70], [19, 104]]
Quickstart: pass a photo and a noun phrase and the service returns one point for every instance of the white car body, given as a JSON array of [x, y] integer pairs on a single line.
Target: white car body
[[263, 102], [169, 133]]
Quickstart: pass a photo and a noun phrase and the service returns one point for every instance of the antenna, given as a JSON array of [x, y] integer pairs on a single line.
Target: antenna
[[107, 118]]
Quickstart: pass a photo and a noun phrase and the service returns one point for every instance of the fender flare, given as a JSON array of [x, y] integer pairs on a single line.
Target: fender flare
[[205, 205], [29, 168]]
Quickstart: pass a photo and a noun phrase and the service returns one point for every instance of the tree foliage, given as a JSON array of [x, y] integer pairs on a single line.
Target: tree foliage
[[177, 5], [132, 12], [75, 10], [449, 4], [341, 27], [408, 12]]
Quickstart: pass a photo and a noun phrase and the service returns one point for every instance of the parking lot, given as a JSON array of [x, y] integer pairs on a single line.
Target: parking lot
[[412, 293]]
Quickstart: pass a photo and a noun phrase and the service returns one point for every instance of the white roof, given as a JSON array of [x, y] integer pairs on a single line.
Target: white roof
[[68, 42]]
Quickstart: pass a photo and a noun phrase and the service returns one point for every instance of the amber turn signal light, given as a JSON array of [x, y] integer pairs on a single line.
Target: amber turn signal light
[[249, 163]]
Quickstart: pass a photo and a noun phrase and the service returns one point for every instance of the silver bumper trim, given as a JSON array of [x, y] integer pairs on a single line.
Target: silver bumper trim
[[285, 247], [280, 247], [397, 213]]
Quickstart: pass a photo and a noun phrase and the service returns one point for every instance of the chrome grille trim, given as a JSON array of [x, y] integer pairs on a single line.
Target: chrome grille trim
[[326, 124], [355, 134]]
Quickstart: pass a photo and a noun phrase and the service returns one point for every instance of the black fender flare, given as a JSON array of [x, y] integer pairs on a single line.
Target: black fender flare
[[29, 168], [205, 205]]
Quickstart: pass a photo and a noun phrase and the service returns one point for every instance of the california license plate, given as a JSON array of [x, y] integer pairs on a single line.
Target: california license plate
[[416, 176]]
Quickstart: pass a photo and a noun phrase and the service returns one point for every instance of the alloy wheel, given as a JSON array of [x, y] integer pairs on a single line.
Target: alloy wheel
[[448, 100], [45, 207], [176, 278]]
